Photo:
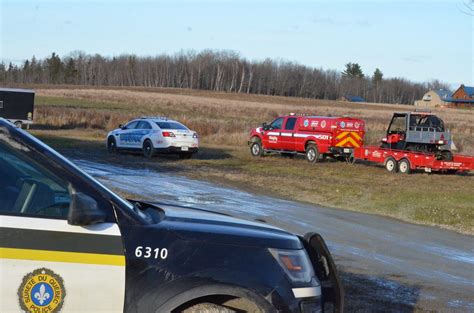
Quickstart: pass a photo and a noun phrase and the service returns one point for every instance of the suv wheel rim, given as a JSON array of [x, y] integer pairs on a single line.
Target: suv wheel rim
[[255, 149], [311, 154]]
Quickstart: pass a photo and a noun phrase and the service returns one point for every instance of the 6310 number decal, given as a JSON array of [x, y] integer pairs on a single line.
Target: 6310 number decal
[[149, 252]]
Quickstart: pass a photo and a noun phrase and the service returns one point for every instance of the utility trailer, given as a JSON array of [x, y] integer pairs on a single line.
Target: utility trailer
[[17, 105], [407, 161]]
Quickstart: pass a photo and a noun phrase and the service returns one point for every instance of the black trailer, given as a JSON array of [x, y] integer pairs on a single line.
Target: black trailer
[[17, 105]]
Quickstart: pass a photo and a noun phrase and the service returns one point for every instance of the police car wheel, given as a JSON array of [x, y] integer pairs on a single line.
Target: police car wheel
[[312, 153], [256, 149], [111, 145], [148, 150]]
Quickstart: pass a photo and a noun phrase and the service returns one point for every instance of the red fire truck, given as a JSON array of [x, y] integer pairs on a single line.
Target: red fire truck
[[314, 136]]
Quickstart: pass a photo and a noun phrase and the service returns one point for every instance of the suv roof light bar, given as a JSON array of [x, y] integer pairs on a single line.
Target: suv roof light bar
[[155, 117]]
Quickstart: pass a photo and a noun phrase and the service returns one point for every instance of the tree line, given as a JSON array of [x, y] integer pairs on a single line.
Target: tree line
[[223, 71]]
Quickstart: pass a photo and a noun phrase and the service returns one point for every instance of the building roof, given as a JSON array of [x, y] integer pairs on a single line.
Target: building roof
[[469, 90], [354, 98], [450, 99], [443, 93]]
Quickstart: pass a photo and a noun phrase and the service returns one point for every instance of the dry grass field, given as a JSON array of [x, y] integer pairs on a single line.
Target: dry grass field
[[70, 117]]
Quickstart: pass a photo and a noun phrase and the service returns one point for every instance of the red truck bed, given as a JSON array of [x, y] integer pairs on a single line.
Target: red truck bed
[[416, 160]]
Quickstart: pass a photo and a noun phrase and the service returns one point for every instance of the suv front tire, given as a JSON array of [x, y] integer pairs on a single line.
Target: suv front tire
[[256, 148]]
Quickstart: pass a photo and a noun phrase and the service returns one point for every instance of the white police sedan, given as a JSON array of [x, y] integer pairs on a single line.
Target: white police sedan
[[154, 135]]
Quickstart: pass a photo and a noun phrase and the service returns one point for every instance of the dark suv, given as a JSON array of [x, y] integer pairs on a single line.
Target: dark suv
[[67, 242]]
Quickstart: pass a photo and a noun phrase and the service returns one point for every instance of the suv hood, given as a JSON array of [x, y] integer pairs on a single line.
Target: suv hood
[[200, 225]]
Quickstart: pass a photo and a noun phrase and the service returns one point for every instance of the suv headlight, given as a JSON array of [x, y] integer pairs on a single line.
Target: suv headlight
[[295, 263]]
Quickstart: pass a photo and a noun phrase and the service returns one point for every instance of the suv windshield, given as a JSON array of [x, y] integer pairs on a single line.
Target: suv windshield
[[277, 124], [171, 125]]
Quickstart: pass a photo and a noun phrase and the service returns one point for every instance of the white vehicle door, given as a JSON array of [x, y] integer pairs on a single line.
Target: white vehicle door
[[47, 265], [142, 131], [126, 137]]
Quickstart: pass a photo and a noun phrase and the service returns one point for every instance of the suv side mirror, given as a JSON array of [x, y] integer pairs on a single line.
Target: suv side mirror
[[84, 210], [121, 126], [265, 126]]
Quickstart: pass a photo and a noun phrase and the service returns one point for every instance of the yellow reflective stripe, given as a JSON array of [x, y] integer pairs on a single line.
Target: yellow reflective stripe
[[60, 256], [356, 135], [348, 139], [341, 143], [343, 134]]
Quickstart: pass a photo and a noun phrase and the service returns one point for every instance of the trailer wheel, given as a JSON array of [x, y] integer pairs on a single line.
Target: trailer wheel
[[404, 166], [391, 165], [256, 148], [312, 153], [111, 145]]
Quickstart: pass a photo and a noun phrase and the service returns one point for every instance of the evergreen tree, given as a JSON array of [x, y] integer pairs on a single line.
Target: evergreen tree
[[378, 76], [54, 65], [353, 70], [70, 72]]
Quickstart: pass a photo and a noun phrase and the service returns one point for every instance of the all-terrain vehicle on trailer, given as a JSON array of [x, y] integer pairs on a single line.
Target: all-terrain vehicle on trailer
[[416, 141], [313, 136], [419, 132]]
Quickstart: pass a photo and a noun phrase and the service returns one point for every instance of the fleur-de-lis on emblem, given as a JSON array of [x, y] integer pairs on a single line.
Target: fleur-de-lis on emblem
[[42, 295]]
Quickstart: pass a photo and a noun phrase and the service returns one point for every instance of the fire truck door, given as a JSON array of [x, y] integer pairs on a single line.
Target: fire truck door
[[287, 134], [272, 137]]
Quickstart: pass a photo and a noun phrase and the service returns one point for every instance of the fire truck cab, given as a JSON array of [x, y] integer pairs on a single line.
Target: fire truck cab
[[313, 136]]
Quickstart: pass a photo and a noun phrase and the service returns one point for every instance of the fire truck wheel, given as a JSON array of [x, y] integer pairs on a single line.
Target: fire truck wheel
[[312, 153], [256, 149], [148, 150], [404, 166], [391, 165], [111, 145], [350, 159]]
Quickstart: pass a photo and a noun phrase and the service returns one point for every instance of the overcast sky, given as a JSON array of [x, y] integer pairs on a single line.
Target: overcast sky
[[418, 40]]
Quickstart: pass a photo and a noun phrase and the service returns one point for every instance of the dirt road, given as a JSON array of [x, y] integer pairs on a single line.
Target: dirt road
[[386, 264]]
